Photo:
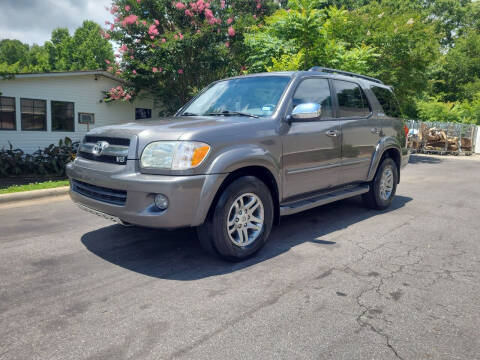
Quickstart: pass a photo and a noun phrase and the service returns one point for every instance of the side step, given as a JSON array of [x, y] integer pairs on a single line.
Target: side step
[[302, 205]]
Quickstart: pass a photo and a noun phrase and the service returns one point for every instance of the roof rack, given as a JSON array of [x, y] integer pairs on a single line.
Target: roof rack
[[347, 73]]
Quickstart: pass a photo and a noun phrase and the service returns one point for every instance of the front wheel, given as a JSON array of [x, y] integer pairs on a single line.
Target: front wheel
[[383, 187], [241, 221]]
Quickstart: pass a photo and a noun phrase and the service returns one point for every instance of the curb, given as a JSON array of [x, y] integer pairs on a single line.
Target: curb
[[33, 194]]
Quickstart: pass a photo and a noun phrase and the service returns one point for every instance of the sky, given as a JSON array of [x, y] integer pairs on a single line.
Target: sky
[[32, 21]]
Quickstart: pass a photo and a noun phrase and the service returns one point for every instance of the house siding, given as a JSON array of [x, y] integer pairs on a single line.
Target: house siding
[[85, 91]]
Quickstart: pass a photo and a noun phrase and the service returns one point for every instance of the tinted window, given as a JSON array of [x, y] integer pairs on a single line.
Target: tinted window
[[62, 116], [314, 91], [34, 114], [388, 101], [351, 100], [7, 113]]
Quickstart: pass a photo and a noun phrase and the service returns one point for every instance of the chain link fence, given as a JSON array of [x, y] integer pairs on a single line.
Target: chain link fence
[[441, 137]]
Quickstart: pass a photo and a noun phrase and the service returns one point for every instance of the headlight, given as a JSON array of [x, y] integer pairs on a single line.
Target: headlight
[[174, 155]]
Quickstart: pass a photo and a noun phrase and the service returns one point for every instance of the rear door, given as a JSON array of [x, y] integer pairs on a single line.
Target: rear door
[[311, 149], [361, 131]]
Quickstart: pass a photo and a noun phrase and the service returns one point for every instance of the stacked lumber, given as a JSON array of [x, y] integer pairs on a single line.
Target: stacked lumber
[[437, 139]]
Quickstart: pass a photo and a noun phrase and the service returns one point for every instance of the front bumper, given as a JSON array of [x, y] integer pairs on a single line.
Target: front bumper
[[189, 197]]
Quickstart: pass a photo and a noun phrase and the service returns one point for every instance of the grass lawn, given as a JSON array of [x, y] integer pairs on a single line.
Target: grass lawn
[[34, 186]]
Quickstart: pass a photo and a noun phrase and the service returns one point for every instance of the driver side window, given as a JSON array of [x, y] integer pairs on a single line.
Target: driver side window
[[315, 91]]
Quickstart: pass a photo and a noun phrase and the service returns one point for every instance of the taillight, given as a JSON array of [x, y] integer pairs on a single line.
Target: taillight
[[406, 129]]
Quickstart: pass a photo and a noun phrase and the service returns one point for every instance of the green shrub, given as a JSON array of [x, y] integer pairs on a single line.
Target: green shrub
[[48, 161]]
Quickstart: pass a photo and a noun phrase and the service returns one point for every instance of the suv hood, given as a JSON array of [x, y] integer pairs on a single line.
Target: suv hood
[[169, 128]]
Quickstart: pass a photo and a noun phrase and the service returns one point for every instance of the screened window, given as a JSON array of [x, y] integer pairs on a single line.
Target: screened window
[[34, 114], [351, 100], [63, 116], [141, 113], [388, 101], [315, 91], [7, 113]]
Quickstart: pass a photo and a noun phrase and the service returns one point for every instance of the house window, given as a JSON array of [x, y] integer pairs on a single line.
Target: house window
[[34, 114], [63, 116], [141, 113], [7, 113]]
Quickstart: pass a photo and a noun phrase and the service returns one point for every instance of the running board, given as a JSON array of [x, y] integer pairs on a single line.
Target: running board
[[302, 205]]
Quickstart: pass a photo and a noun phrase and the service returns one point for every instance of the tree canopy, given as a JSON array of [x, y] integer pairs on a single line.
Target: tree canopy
[[85, 50]]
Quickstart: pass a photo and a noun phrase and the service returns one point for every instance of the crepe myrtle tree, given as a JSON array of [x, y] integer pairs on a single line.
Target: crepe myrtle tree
[[176, 48]]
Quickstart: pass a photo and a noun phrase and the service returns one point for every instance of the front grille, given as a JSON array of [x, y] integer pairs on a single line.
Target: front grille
[[116, 151], [110, 140], [103, 158], [110, 196]]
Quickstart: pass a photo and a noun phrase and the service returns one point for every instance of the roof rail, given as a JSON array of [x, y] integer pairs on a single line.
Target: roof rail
[[347, 73]]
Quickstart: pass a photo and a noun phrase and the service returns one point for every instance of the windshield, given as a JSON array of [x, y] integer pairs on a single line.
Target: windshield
[[250, 96]]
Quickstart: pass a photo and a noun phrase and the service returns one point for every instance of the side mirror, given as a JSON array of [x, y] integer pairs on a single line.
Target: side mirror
[[305, 112]]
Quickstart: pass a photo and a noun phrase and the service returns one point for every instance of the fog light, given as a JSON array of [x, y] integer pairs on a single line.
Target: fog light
[[161, 201]]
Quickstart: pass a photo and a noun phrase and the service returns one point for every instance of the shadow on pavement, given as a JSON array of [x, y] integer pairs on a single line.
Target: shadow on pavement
[[177, 255], [424, 159]]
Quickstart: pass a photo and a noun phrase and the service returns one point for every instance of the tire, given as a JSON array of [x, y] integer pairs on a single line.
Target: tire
[[233, 233], [377, 198]]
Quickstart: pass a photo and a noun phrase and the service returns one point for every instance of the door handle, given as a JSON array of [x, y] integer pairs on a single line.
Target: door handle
[[376, 131], [332, 133]]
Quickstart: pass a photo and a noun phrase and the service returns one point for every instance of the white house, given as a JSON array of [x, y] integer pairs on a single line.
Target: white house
[[37, 110]]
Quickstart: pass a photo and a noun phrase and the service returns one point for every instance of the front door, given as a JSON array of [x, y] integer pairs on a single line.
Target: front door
[[312, 149], [361, 131]]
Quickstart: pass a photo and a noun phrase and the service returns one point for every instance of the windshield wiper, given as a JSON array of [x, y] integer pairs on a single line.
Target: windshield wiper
[[229, 112], [189, 114]]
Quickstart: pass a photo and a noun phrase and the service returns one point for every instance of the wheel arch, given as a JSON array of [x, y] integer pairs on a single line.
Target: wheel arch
[[386, 148], [260, 172]]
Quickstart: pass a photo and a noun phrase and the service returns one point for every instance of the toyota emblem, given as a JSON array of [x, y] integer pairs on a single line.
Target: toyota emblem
[[99, 147]]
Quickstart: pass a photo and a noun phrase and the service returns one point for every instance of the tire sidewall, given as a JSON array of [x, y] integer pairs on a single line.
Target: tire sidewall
[[381, 203], [221, 239]]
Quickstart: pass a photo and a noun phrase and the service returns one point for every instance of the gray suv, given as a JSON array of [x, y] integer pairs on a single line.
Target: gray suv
[[244, 152]]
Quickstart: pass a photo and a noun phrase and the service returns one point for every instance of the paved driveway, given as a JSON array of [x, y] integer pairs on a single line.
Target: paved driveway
[[337, 282]]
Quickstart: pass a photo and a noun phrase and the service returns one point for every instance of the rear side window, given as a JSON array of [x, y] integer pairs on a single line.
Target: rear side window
[[351, 100], [388, 101], [315, 91]]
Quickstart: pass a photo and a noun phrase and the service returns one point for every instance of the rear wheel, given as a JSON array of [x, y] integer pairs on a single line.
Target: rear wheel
[[383, 187], [241, 221]]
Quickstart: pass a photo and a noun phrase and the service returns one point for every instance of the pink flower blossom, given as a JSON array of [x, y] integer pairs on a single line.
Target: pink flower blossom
[[160, 69], [112, 26], [255, 17], [152, 30], [114, 9], [152, 37], [123, 48], [134, 72], [109, 69], [222, 4], [229, 21], [164, 40], [127, 8], [154, 69], [138, 1], [227, 44], [129, 20], [188, 13], [199, 31], [107, 22], [181, 36], [144, 22], [259, 6], [156, 22], [106, 36], [180, 6], [107, 61], [200, 5], [131, 57], [176, 37], [180, 71], [231, 31]]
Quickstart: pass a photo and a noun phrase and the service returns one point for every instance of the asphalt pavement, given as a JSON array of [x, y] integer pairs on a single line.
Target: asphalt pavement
[[336, 282]]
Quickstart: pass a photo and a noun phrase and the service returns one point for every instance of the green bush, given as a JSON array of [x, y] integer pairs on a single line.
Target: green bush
[[48, 161]]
